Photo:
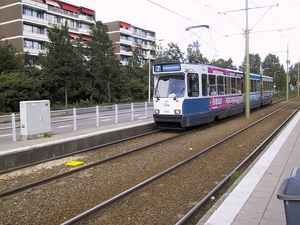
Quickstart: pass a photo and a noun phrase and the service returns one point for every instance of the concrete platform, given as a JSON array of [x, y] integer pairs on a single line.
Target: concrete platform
[[253, 199], [14, 154]]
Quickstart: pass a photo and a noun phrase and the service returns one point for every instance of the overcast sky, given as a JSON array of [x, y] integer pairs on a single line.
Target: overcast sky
[[273, 29]]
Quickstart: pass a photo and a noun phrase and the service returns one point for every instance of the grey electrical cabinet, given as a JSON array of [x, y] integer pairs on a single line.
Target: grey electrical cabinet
[[35, 119]]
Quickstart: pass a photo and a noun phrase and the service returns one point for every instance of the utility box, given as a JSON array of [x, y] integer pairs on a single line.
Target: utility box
[[35, 119], [289, 192]]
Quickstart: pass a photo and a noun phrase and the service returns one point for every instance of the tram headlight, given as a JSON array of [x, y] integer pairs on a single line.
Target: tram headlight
[[156, 111], [177, 111]]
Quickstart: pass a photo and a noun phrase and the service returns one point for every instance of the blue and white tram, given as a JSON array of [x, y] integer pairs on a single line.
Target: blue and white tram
[[267, 90], [261, 91], [188, 95]]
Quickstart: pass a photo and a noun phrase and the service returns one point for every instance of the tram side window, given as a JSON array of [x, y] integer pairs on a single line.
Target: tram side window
[[239, 85], [254, 85], [204, 84], [252, 89], [193, 84], [267, 86], [227, 85], [270, 86], [220, 82], [212, 85], [258, 86], [233, 85]]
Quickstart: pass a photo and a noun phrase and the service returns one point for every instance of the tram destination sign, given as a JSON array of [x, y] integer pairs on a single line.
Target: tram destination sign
[[167, 67]]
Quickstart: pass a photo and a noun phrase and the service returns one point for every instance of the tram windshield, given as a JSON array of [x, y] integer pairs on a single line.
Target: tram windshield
[[170, 87]]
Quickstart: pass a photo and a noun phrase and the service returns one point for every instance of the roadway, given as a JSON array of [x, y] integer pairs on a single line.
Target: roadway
[[61, 124]]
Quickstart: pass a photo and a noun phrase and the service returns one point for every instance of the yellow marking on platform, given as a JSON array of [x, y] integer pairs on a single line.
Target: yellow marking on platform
[[74, 163]]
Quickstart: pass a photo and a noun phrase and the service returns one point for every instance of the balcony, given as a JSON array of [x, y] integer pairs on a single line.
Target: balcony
[[126, 31], [63, 13], [151, 38], [36, 4], [84, 31], [32, 35], [33, 51], [123, 52], [35, 20], [126, 42], [135, 34], [86, 18], [124, 63]]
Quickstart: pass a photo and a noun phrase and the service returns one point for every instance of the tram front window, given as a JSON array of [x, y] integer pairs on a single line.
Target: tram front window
[[167, 87]]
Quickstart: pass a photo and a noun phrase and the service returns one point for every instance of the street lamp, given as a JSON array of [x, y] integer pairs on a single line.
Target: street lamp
[[149, 84]]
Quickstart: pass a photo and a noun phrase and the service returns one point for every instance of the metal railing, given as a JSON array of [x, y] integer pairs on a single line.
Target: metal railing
[[72, 115]]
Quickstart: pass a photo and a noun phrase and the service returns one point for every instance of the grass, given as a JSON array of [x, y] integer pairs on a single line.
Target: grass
[[47, 135], [234, 177]]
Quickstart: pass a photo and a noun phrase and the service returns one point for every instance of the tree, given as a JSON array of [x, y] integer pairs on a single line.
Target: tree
[[9, 59], [293, 73], [173, 53], [193, 53], [255, 63], [62, 65], [224, 63], [271, 66], [103, 64], [16, 87], [136, 59], [137, 76]]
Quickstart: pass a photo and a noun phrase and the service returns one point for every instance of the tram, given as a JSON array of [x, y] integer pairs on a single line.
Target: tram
[[188, 94]]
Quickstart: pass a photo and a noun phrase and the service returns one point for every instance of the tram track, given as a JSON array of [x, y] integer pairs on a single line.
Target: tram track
[[154, 184], [91, 162], [191, 216], [117, 175], [73, 153]]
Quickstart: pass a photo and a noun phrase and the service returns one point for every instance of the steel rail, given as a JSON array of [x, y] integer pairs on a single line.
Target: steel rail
[[75, 170], [246, 160], [128, 191]]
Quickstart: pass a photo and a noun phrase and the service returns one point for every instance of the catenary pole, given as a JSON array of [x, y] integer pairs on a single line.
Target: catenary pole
[[247, 76], [287, 74]]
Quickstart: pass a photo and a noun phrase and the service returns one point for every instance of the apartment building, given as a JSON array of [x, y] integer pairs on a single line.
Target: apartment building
[[24, 22], [127, 37]]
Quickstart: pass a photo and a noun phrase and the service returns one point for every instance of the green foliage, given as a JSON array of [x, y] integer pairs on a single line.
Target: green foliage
[[224, 63], [62, 65], [103, 65], [16, 87], [254, 64], [47, 135], [234, 177], [174, 53], [293, 73], [271, 66], [194, 54], [9, 59], [77, 73]]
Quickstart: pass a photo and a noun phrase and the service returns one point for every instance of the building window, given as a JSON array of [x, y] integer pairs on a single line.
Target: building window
[[124, 58], [84, 26], [34, 45], [27, 11], [32, 12], [34, 29], [71, 23]]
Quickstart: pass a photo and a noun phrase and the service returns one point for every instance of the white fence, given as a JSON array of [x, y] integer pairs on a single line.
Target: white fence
[[127, 111]]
